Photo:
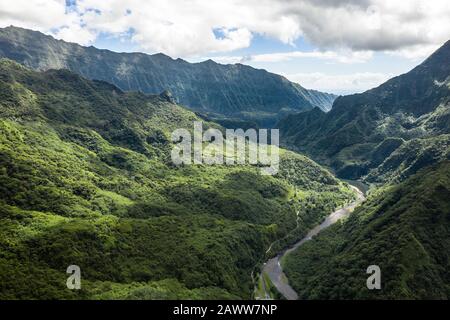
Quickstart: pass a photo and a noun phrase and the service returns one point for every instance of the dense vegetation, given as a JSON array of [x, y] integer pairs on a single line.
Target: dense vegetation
[[237, 90], [396, 133], [386, 133], [85, 179], [404, 229]]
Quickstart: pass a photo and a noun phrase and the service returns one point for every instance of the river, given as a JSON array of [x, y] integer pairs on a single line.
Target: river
[[273, 269]]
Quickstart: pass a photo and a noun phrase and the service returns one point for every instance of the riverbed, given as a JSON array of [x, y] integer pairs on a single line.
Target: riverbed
[[273, 269]]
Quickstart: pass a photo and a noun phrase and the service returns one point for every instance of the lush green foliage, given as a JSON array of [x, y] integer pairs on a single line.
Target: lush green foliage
[[85, 179], [384, 134], [404, 229]]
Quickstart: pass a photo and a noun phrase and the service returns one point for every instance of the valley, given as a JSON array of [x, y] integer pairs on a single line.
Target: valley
[[395, 137], [403, 229], [385, 134], [87, 178], [272, 272]]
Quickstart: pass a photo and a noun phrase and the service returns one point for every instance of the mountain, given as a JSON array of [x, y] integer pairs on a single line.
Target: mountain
[[397, 137], [386, 133], [86, 179], [404, 229], [235, 91]]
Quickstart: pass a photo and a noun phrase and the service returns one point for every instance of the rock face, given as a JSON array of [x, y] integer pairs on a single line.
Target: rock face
[[387, 132], [231, 91], [166, 95]]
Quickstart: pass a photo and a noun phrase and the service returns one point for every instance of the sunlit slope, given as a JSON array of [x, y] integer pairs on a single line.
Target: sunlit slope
[[86, 179]]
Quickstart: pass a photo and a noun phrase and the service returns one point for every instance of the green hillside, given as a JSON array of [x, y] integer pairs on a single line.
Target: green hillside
[[404, 229], [396, 136], [383, 134], [86, 179]]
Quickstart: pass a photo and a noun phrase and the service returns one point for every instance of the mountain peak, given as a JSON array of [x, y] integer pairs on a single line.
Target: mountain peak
[[440, 59], [402, 117]]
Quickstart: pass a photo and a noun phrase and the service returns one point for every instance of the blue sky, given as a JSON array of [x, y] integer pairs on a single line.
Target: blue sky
[[340, 46]]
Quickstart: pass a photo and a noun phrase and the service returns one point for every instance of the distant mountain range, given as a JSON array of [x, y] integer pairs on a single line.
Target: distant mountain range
[[385, 133], [237, 91]]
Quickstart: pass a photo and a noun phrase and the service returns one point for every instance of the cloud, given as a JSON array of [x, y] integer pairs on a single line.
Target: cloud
[[342, 56], [339, 84], [75, 33], [415, 52], [29, 14], [50, 16], [193, 27], [189, 28], [376, 25]]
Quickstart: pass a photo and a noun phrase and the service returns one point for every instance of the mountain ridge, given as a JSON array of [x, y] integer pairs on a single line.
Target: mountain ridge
[[403, 229], [363, 130], [233, 90]]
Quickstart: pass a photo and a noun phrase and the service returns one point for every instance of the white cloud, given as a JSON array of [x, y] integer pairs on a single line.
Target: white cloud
[[48, 16], [376, 25], [339, 84], [200, 27], [189, 28], [30, 14], [343, 56], [416, 52], [75, 33]]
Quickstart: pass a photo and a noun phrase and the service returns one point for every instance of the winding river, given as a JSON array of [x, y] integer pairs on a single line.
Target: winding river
[[273, 269]]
